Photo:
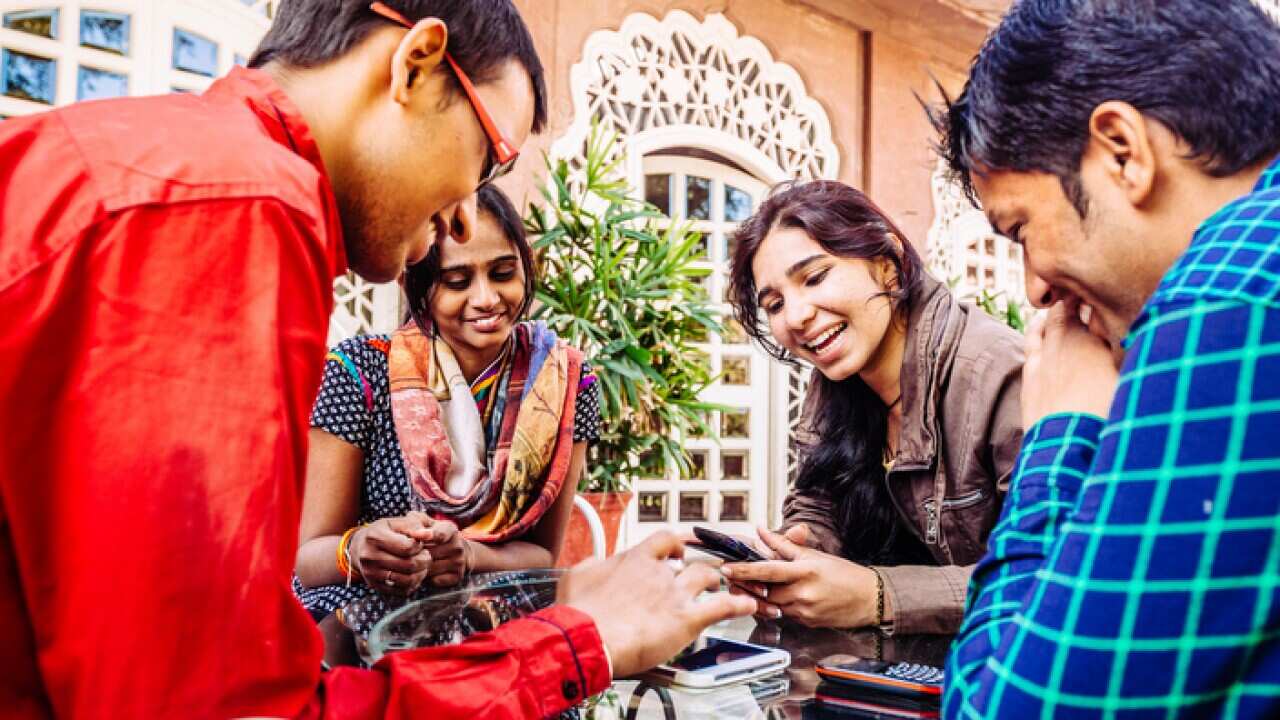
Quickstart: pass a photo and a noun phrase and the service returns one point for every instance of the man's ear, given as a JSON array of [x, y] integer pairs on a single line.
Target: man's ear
[[420, 51], [1118, 137]]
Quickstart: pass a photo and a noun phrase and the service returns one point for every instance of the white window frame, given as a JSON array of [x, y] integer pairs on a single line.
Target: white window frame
[[756, 396]]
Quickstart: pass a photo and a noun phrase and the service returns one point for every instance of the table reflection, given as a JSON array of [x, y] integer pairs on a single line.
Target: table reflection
[[789, 695]]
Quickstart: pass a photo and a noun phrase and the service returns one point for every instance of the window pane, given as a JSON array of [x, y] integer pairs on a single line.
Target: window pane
[[736, 369], [693, 506], [733, 507], [657, 190], [697, 197], [698, 462], [735, 424], [733, 464], [653, 507], [703, 249], [97, 84], [28, 77], [696, 431], [105, 31], [737, 204], [37, 22], [733, 332], [194, 53]]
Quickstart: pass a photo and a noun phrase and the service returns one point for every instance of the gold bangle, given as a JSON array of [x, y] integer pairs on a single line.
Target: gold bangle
[[344, 553]]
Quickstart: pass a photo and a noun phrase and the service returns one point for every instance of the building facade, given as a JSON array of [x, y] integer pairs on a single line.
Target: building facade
[[715, 100]]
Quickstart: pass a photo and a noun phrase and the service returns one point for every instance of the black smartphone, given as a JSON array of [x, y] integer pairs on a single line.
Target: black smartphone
[[725, 547]]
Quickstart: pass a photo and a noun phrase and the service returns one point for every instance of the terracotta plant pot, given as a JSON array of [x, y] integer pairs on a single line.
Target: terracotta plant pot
[[577, 537]]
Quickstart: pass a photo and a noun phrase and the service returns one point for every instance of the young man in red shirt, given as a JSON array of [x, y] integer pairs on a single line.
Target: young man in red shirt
[[166, 266]]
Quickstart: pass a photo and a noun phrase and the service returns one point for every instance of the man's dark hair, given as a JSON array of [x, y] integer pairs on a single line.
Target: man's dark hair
[[1209, 70], [483, 35]]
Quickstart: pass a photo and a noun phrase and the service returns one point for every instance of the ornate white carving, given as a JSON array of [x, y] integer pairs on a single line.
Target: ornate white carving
[[699, 84], [361, 308], [797, 386], [966, 252], [678, 82]]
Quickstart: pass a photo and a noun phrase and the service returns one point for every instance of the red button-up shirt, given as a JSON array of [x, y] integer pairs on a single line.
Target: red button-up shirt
[[166, 267]]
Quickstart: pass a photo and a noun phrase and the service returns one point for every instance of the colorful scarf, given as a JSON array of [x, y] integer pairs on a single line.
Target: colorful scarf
[[491, 456]]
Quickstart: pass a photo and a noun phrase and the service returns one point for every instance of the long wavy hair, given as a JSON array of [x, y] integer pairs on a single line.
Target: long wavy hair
[[844, 422]]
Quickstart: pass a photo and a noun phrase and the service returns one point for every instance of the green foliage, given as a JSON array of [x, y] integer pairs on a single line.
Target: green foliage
[[621, 287], [998, 306]]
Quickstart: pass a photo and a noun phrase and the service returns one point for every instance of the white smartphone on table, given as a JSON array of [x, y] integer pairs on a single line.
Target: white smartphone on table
[[713, 662]]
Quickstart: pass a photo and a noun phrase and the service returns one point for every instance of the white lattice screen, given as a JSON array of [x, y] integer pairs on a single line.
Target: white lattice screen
[[361, 307], [966, 252]]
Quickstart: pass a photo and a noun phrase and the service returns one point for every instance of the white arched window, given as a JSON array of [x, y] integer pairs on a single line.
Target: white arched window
[[708, 121], [715, 197]]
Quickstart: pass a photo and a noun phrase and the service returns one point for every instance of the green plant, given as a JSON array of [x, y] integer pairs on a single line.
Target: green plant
[[1010, 313], [619, 282]]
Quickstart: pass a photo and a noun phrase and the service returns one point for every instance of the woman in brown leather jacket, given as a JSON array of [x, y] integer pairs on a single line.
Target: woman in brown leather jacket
[[911, 425]]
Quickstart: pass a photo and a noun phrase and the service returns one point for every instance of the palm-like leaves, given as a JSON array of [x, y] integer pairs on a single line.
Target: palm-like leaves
[[621, 286]]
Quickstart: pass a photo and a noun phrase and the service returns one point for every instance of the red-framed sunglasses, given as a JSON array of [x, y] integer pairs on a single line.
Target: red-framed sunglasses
[[503, 153]]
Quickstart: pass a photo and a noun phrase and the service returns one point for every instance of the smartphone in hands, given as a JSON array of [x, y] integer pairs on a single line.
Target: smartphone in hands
[[724, 546]]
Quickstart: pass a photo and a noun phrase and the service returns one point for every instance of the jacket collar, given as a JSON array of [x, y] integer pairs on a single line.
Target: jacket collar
[[934, 325]]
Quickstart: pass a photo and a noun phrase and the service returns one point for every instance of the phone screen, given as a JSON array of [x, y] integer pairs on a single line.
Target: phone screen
[[711, 652]]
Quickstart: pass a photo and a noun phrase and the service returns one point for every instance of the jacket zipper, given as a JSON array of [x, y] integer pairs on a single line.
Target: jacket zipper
[[931, 511]]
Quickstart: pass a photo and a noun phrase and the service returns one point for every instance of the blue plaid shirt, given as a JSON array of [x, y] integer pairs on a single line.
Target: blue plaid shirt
[[1135, 569]]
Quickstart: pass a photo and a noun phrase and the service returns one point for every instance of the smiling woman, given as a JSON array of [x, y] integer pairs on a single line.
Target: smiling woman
[[912, 419], [453, 445]]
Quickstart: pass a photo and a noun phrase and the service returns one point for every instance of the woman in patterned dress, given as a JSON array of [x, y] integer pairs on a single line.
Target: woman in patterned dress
[[452, 446]]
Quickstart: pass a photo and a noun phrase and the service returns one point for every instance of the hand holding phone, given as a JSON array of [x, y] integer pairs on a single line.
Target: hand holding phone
[[725, 547]]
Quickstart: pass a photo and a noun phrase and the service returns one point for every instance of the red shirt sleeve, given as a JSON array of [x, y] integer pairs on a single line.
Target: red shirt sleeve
[[531, 668]]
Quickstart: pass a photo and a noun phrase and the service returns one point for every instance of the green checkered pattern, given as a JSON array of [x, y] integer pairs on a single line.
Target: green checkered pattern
[[1135, 569]]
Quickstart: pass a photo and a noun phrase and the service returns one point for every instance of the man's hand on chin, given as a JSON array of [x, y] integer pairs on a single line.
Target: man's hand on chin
[[1068, 368]]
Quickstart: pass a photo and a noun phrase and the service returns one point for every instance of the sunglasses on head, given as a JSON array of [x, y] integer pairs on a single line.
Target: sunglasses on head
[[502, 152]]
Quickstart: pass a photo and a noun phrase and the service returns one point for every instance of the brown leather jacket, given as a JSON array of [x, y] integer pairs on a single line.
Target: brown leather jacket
[[961, 430]]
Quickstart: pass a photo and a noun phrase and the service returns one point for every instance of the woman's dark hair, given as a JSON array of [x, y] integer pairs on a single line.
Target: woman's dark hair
[[420, 278], [483, 34], [1209, 70], [844, 423]]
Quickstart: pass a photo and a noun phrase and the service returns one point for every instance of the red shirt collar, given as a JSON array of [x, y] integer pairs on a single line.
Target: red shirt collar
[[283, 122]]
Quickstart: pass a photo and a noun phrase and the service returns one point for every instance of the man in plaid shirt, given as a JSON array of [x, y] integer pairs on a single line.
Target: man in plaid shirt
[[1131, 147]]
